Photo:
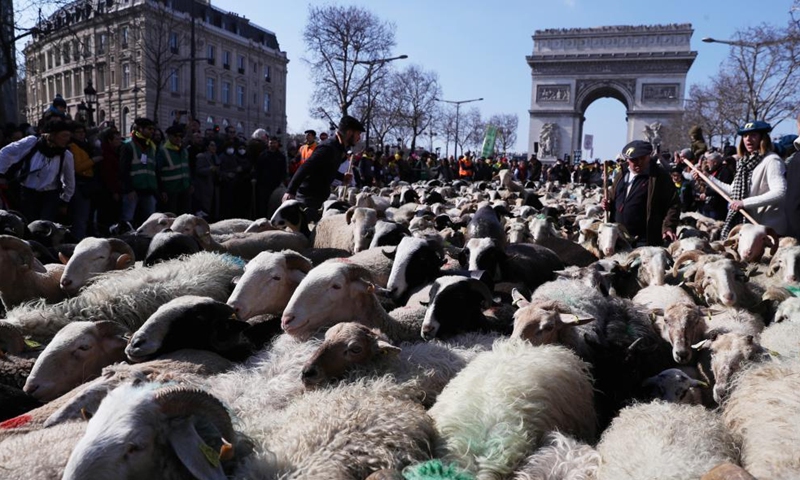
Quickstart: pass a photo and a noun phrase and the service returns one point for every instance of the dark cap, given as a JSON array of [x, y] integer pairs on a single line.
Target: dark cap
[[59, 102], [757, 126], [312, 132], [56, 124], [174, 130], [636, 149], [143, 122], [349, 123]]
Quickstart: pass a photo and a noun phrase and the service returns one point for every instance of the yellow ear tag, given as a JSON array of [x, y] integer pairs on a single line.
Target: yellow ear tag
[[211, 455], [32, 343], [773, 353]]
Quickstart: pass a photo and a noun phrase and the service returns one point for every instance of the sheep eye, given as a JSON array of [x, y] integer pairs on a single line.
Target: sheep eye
[[84, 347], [277, 278], [336, 286], [133, 448], [355, 349]]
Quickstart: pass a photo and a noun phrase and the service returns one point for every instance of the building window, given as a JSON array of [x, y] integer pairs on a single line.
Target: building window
[[58, 56], [113, 77], [101, 77], [126, 75], [174, 81], [210, 54], [66, 53], [226, 92], [211, 92], [240, 64], [174, 44], [67, 85], [123, 36], [240, 95], [267, 73], [226, 60], [101, 44], [267, 102]]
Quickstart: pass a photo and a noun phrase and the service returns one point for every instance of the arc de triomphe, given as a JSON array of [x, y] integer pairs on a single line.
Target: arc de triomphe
[[644, 67]]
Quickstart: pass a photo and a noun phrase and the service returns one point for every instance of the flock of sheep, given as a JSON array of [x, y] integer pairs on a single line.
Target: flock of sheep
[[487, 330]]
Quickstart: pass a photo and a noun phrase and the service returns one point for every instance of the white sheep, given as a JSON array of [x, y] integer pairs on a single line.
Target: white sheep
[[24, 278], [762, 414], [661, 440], [498, 409], [129, 297], [782, 338], [352, 231], [39, 454], [91, 257], [157, 222], [560, 458]]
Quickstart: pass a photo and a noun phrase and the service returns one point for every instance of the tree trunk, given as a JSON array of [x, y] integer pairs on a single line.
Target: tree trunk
[[8, 65]]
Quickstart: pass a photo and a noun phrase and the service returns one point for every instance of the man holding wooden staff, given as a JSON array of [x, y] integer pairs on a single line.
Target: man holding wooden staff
[[643, 197]]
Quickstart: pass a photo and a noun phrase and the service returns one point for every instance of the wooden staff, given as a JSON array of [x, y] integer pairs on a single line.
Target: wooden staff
[[720, 191], [605, 192]]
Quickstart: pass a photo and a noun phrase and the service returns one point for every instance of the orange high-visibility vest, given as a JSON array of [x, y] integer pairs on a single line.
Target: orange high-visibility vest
[[465, 167]]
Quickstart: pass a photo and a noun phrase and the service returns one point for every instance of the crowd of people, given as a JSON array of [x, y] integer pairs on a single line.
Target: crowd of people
[[94, 178]]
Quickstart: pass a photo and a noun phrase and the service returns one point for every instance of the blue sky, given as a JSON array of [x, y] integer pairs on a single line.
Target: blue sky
[[478, 48]]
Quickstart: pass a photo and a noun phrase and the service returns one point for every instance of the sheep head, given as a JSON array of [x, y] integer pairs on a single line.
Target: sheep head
[[77, 353], [346, 345], [682, 325], [91, 257], [786, 262], [541, 323], [730, 352], [141, 432], [651, 265], [673, 385], [751, 241]]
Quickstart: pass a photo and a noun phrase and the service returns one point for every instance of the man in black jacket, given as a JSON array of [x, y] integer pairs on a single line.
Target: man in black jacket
[[311, 183], [269, 172]]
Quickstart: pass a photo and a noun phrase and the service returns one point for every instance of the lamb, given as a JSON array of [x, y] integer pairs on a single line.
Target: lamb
[[198, 323], [129, 297], [77, 353], [352, 231], [664, 440], [24, 278], [351, 345], [761, 414], [91, 257], [340, 291], [518, 393], [268, 282]]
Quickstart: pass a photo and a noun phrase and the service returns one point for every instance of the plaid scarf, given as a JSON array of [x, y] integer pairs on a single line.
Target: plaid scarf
[[740, 188]]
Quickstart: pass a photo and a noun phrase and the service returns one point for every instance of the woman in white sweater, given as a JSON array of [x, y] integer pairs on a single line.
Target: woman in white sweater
[[759, 184]]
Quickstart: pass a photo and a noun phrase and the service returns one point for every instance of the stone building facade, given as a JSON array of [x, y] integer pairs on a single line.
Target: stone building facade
[[137, 55]]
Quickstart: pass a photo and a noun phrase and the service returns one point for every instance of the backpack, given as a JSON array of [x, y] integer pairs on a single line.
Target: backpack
[[20, 170]]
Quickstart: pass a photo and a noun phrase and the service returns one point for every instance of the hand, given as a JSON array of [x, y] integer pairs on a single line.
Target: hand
[[286, 197], [695, 175], [606, 204], [736, 205], [669, 235], [702, 197], [348, 177]]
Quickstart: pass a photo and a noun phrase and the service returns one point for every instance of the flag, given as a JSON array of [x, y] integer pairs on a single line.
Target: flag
[[488, 141], [588, 142]]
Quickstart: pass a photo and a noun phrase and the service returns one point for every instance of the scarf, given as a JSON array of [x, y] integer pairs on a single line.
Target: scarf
[[740, 188]]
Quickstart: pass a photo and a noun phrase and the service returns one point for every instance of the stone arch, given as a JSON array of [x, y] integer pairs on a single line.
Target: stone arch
[[644, 67]]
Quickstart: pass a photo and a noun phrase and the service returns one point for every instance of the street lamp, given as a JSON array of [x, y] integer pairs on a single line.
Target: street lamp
[[371, 64], [458, 103], [90, 95]]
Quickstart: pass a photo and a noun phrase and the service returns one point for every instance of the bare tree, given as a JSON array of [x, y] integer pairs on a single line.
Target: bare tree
[[339, 39], [506, 124], [446, 124], [471, 129], [416, 91]]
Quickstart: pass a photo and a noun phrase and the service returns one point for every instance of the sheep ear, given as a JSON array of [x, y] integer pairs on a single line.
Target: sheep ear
[[124, 261], [62, 258], [198, 457], [518, 299], [389, 253], [386, 348], [575, 320], [656, 312], [704, 345]]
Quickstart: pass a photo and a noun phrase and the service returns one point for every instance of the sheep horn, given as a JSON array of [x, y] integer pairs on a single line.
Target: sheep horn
[[771, 233], [632, 257], [734, 231], [295, 261], [693, 255], [9, 242], [119, 246], [11, 340], [185, 401], [348, 215]]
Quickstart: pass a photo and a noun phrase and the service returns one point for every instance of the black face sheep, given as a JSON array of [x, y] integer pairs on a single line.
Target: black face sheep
[[24, 278], [129, 297], [12, 223], [77, 353], [268, 282], [674, 385], [531, 265], [93, 256], [517, 394], [486, 224], [194, 322], [388, 233], [416, 262], [168, 245], [292, 214], [456, 306], [665, 441]]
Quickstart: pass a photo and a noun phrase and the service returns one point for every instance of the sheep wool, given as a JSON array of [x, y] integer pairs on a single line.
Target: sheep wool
[[496, 411], [435, 470]]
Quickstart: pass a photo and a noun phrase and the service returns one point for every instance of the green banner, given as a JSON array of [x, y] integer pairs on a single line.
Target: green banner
[[488, 141]]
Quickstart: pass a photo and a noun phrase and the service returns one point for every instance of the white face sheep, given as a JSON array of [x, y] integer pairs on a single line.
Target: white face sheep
[[716, 279], [546, 322], [785, 264], [606, 239], [729, 353], [23, 277], [751, 241], [651, 265], [76, 354], [91, 257], [143, 432], [157, 222], [542, 227], [268, 282]]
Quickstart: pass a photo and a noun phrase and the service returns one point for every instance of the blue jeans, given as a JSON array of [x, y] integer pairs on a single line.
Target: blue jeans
[[143, 203]]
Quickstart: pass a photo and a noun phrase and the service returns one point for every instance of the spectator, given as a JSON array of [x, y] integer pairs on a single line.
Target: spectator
[[759, 185], [685, 190], [270, 172], [714, 206], [138, 173], [644, 199], [172, 163], [86, 184], [110, 191], [311, 184], [466, 170], [44, 169], [366, 167], [304, 152], [203, 182], [535, 168]]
